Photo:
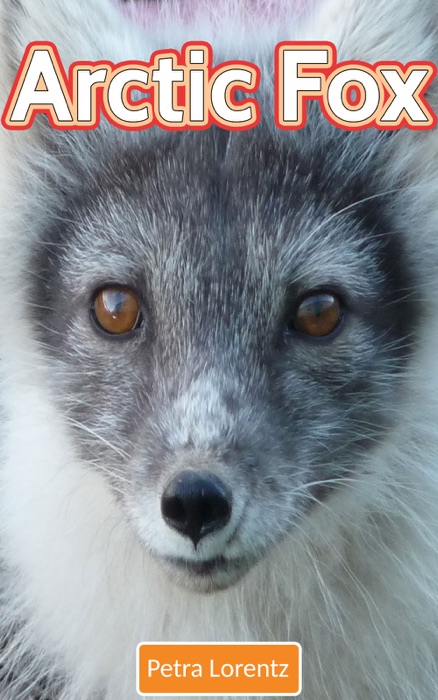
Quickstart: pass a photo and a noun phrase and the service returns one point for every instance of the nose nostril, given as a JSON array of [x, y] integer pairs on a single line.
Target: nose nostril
[[173, 509], [196, 504], [216, 509]]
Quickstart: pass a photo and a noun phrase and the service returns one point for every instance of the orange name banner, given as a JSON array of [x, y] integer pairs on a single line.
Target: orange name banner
[[219, 669]]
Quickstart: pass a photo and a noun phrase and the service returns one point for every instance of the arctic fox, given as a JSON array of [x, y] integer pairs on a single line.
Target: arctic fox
[[219, 369]]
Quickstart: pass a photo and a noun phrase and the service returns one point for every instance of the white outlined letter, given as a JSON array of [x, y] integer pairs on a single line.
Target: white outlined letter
[[406, 101], [40, 87], [293, 85], [166, 77], [364, 83]]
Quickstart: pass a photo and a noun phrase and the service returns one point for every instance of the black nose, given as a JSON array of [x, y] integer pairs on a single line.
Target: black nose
[[196, 504]]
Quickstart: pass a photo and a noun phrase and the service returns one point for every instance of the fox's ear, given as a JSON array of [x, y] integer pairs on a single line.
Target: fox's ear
[[81, 29], [382, 30], [379, 30], [402, 163], [41, 160], [88, 30]]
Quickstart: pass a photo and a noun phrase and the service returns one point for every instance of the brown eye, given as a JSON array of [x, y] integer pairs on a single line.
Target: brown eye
[[117, 310], [318, 314]]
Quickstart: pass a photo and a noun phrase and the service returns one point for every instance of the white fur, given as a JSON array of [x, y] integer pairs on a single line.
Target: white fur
[[359, 583]]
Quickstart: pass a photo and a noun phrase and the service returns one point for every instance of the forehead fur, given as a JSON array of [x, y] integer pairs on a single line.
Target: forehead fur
[[218, 220], [216, 192]]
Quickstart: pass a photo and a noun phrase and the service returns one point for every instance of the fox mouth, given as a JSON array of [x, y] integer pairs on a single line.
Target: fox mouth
[[208, 575]]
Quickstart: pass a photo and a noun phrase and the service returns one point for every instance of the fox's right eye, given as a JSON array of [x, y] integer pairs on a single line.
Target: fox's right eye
[[318, 314], [116, 310]]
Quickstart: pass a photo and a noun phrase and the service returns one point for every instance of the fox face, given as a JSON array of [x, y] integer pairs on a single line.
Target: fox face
[[266, 312]]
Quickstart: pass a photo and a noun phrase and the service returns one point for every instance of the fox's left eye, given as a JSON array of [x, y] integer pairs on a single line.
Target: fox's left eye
[[318, 314], [116, 310]]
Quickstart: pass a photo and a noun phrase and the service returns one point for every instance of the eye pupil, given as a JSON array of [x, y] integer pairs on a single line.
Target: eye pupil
[[318, 314], [116, 310]]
